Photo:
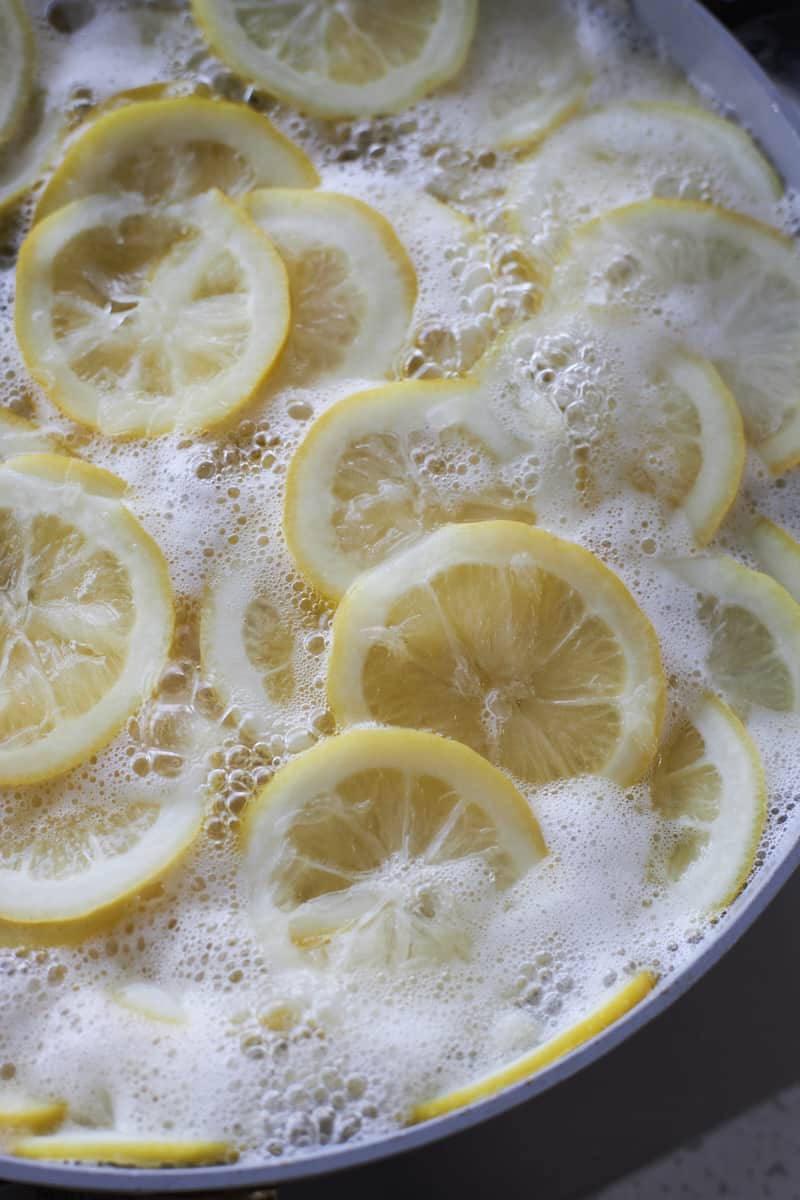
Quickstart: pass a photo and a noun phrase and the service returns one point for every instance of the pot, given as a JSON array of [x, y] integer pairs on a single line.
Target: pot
[[703, 48]]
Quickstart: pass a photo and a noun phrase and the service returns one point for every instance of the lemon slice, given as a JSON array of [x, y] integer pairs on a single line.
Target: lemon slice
[[86, 614], [627, 152], [125, 1150], [149, 1000], [141, 321], [17, 49], [754, 625], [691, 449], [23, 1113], [345, 59], [18, 436], [377, 843], [778, 553], [170, 149], [714, 282], [381, 468], [708, 785], [351, 282], [628, 996], [518, 643], [24, 157]]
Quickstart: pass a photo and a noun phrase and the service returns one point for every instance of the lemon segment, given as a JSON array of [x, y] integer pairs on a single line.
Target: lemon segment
[[778, 554], [86, 618], [22, 1113], [713, 282], [150, 1001], [754, 624], [17, 50], [124, 1150], [379, 470], [348, 59], [509, 639], [708, 786], [631, 994], [371, 847], [352, 285], [167, 150], [18, 436], [141, 322], [635, 151]]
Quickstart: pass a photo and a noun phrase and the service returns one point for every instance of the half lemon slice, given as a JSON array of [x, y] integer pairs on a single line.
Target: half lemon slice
[[754, 627], [628, 996], [713, 282], [351, 282], [85, 611], [381, 846], [778, 553], [168, 150], [22, 1113], [708, 786], [140, 321], [354, 57], [518, 643], [17, 50]]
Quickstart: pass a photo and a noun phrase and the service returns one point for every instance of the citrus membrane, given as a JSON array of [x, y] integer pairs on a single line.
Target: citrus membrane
[[514, 641]]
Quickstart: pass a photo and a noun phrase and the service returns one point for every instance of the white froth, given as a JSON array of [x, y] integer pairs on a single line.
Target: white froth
[[289, 1059]]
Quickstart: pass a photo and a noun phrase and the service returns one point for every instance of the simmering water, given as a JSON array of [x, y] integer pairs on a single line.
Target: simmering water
[[285, 1059]]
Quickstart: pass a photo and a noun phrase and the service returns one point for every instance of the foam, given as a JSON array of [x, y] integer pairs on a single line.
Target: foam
[[293, 1058]]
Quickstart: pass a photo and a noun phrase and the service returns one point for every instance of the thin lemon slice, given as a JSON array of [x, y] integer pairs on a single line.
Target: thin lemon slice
[[150, 1001], [381, 468], [377, 843], [170, 149], [708, 785], [17, 49], [125, 1150], [344, 59], [352, 285], [713, 282], [614, 156], [18, 436], [628, 996], [518, 643], [778, 553], [754, 624], [86, 614], [24, 157], [23, 1113], [141, 321]]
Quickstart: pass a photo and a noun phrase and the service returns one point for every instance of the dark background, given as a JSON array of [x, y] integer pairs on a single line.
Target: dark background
[[732, 1041]]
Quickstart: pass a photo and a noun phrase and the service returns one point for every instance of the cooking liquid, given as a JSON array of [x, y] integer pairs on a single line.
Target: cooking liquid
[[286, 1060]]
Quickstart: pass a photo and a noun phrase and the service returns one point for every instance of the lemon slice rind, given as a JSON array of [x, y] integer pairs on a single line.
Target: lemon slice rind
[[175, 125], [314, 91], [359, 625], [22, 1113], [121, 1150], [78, 493], [626, 998], [778, 554]]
